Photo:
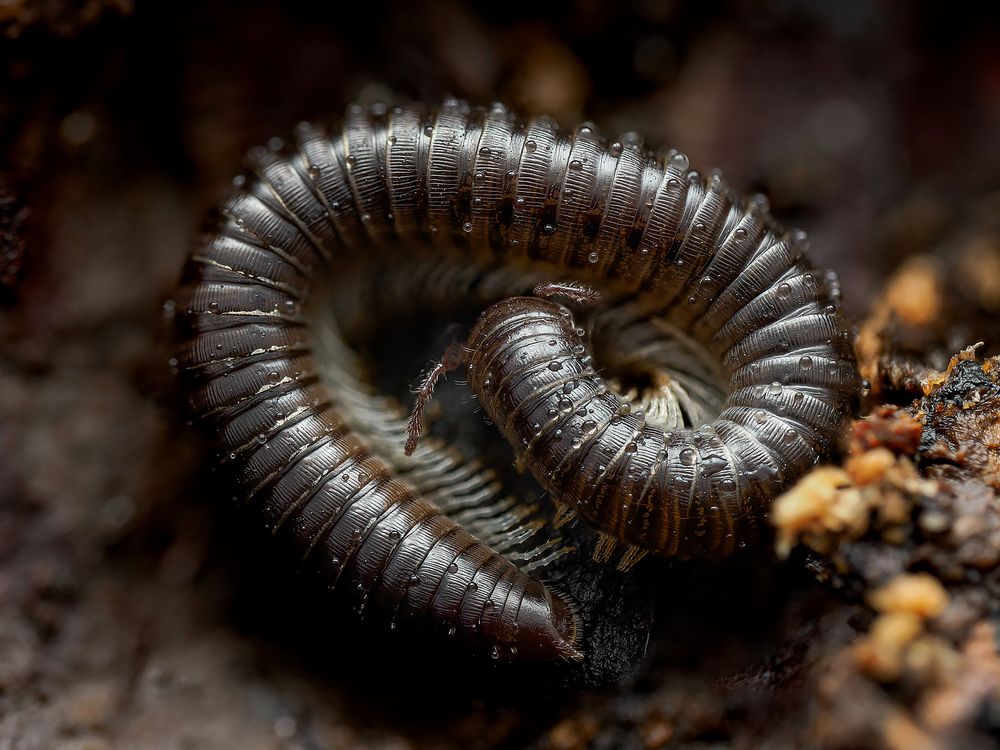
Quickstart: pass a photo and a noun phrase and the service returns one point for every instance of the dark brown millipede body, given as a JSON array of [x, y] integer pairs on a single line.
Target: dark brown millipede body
[[688, 492], [480, 188]]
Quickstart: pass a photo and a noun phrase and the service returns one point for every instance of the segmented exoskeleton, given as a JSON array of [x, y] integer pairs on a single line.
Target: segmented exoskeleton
[[476, 187], [676, 492]]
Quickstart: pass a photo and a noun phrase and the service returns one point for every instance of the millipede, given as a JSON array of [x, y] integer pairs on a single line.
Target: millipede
[[424, 204]]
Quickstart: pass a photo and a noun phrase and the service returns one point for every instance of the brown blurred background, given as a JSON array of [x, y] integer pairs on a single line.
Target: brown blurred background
[[128, 617]]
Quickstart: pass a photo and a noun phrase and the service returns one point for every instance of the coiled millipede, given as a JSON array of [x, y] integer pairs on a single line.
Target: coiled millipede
[[487, 206]]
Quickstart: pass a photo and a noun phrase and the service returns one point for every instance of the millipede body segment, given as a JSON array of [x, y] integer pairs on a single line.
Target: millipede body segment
[[480, 188], [684, 492]]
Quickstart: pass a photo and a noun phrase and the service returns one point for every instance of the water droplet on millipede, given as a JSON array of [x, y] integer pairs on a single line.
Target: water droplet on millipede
[[800, 239], [213, 307], [760, 203], [530, 146], [575, 165], [687, 456], [554, 366], [467, 227], [679, 161], [593, 257], [805, 363], [453, 568], [351, 161]]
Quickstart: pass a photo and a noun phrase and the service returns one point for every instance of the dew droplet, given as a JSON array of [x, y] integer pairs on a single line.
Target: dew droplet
[[593, 257], [805, 363], [679, 161], [555, 366], [530, 146], [687, 456], [575, 165]]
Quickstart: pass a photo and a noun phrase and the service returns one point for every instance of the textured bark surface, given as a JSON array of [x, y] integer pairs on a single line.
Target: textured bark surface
[[135, 609]]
